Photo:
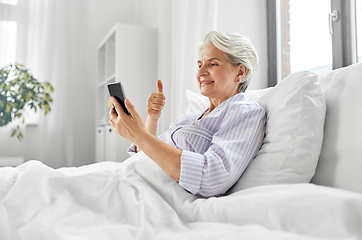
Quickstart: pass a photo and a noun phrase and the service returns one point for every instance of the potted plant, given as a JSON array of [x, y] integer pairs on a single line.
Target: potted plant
[[19, 92]]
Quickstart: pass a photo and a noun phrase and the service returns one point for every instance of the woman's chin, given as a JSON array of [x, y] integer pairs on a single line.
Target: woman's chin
[[205, 91]]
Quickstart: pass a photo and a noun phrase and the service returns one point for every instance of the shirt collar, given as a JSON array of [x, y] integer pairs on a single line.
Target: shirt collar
[[235, 98]]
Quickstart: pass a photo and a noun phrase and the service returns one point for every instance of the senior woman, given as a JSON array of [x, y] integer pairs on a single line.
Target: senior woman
[[205, 152]]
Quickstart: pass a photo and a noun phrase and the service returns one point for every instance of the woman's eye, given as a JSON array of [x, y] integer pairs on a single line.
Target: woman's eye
[[214, 64]]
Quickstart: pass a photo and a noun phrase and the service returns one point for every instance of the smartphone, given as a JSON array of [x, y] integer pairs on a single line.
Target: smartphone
[[116, 90]]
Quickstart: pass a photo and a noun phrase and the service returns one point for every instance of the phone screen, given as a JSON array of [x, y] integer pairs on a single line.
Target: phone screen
[[116, 90]]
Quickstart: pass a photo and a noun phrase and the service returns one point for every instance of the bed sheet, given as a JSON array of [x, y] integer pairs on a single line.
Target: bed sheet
[[137, 200]]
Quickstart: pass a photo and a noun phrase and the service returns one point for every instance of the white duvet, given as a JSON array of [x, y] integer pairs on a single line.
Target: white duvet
[[137, 200]]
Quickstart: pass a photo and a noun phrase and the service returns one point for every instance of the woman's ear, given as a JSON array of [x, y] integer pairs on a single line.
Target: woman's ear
[[242, 71]]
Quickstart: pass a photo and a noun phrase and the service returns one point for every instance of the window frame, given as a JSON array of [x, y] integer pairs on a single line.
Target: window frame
[[344, 38]]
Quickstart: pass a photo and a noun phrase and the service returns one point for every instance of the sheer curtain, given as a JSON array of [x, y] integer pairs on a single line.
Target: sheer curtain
[[190, 22], [41, 45], [47, 55]]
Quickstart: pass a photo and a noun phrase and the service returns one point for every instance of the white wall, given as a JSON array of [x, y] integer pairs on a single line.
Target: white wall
[[249, 19], [89, 21]]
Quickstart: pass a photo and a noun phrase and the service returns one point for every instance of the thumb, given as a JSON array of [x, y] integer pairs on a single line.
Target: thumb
[[159, 86], [130, 107]]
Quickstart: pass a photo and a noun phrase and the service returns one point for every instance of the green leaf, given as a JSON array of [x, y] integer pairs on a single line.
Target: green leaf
[[47, 97], [8, 108], [46, 107], [27, 96], [20, 136], [13, 132]]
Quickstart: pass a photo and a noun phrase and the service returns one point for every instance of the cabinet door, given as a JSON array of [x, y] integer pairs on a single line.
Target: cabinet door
[[100, 144], [115, 146]]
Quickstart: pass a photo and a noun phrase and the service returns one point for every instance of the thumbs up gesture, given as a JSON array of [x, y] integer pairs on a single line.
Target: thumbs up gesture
[[155, 102]]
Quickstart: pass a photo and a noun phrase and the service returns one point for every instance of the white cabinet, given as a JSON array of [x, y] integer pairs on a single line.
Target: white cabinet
[[128, 54], [100, 144], [115, 146]]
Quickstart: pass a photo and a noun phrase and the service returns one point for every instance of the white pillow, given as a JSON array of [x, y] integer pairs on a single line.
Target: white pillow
[[196, 102], [254, 95], [340, 163], [295, 111]]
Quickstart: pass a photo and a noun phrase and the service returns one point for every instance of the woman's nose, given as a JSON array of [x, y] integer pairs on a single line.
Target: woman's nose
[[202, 71]]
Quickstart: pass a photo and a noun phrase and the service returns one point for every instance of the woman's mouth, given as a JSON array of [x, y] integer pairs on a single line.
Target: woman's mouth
[[203, 83]]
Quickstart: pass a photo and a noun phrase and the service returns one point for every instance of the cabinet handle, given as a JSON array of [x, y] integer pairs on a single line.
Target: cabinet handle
[[110, 130], [99, 131]]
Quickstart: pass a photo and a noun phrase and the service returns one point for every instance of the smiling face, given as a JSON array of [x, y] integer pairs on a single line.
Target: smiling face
[[217, 77]]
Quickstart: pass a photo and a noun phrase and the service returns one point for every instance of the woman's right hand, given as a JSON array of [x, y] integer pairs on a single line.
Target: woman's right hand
[[155, 103]]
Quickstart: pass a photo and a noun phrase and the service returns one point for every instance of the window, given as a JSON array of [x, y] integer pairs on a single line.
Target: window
[[308, 52], [8, 30], [12, 19], [314, 35]]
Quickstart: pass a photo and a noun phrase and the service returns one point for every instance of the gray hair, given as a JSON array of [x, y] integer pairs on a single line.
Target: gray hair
[[238, 49]]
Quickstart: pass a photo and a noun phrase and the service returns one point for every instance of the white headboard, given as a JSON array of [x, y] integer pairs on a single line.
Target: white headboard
[[340, 163]]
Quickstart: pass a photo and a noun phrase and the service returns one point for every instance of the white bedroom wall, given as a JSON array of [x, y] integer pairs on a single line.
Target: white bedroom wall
[[248, 18]]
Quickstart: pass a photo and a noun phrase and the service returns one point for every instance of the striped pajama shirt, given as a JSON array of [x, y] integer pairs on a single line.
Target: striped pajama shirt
[[217, 149]]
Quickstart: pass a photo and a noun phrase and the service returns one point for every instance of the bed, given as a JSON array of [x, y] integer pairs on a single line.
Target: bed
[[305, 182]]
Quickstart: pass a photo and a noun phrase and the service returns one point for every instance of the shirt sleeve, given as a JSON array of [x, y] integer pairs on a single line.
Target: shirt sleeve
[[132, 150], [233, 146]]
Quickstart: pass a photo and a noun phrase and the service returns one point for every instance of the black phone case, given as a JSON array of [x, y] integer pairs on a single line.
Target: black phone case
[[116, 90]]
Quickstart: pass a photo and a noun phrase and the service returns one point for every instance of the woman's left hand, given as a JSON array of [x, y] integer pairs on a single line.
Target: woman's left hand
[[131, 127]]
